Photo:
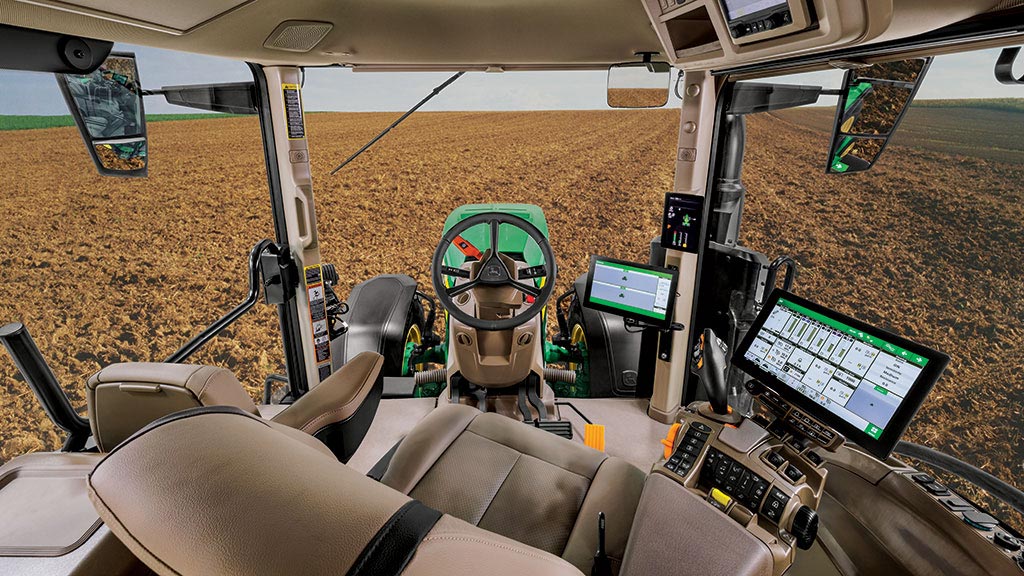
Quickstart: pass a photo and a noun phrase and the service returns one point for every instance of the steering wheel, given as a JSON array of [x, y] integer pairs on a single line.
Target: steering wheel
[[492, 271]]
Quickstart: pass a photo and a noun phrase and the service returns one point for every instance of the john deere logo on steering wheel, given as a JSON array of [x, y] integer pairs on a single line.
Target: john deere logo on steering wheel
[[493, 272]]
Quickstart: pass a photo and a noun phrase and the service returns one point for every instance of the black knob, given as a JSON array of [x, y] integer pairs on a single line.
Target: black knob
[[805, 527]]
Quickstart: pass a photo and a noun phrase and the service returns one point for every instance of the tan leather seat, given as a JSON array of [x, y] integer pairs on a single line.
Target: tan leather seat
[[518, 481], [217, 491], [123, 398]]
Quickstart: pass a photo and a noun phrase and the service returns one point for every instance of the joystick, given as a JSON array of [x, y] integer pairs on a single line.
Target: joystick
[[709, 363]]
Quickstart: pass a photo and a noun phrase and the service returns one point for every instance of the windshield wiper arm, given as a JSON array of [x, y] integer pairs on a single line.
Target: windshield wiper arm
[[433, 93]]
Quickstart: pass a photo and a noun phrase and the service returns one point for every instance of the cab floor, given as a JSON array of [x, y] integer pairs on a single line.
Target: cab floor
[[629, 433]]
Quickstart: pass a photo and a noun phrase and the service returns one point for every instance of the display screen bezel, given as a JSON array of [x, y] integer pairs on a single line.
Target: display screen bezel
[[669, 309], [891, 434], [727, 9]]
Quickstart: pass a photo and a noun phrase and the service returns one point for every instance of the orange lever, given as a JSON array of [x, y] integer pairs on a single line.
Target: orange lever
[[670, 439]]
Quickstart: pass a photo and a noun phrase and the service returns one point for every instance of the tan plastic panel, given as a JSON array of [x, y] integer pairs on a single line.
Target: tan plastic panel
[[297, 199], [676, 532], [693, 152], [840, 23], [44, 505]]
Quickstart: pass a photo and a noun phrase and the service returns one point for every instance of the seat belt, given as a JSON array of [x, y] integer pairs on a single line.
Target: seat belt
[[391, 548]]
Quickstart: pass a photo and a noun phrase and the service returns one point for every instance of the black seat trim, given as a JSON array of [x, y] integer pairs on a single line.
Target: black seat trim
[[391, 548]]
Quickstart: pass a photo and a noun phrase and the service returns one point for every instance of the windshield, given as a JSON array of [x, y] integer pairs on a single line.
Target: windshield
[[926, 244]]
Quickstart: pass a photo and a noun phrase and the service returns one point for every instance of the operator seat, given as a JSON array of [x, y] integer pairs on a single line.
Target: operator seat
[[123, 398], [218, 491], [518, 481]]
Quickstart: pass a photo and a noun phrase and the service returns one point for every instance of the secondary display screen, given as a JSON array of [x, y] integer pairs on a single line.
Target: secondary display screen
[[870, 381], [681, 222], [736, 9], [631, 290]]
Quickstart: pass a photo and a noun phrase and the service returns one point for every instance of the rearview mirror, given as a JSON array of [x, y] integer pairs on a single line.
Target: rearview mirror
[[107, 108], [871, 106], [638, 84]]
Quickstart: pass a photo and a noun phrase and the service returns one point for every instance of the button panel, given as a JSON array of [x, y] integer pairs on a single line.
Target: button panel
[[689, 448], [732, 478], [775, 505]]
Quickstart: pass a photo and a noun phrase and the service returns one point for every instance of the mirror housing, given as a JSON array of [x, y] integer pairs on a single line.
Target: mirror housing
[[639, 84], [872, 103], [232, 98], [107, 108]]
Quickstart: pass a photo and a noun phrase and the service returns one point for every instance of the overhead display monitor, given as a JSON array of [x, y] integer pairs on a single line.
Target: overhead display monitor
[[863, 381], [636, 291], [737, 9]]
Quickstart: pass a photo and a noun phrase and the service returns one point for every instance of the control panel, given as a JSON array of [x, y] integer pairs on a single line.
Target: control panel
[[986, 525], [753, 20], [768, 487], [782, 417]]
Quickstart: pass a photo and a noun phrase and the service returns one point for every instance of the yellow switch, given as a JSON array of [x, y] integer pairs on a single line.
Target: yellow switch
[[721, 497]]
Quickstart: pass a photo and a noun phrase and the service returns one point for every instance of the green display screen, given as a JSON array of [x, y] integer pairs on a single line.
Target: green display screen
[[633, 290]]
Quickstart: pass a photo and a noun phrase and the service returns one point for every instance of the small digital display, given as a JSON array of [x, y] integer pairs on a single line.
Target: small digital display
[[681, 222], [736, 9], [638, 291], [870, 381]]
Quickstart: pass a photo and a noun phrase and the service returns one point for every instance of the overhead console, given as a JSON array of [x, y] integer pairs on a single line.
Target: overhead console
[[716, 34]]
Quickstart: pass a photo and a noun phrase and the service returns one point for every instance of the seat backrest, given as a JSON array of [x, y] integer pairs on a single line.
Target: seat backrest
[[215, 491], [122, 398]]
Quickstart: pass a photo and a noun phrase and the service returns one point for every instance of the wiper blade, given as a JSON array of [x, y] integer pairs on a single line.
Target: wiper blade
[[433, 93]]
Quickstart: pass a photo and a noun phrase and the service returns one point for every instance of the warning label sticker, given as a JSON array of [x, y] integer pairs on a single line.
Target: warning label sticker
[[318, 318], [293, 112]]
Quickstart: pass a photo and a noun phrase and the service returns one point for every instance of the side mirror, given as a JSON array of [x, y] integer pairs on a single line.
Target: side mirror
[[107, 108], [871, 106], [638, 84]]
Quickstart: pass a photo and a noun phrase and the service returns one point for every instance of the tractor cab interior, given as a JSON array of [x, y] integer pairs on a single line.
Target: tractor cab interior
[[689, 411]]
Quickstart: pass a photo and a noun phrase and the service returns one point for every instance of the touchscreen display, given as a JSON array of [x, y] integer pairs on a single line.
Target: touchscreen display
[[631, 290], [870, 381], [736, 9]]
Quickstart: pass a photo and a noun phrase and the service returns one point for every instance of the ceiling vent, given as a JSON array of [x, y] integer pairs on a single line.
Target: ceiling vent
[[297, 35]]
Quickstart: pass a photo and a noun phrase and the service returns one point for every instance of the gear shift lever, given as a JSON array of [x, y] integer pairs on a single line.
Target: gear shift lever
[[709, 363]]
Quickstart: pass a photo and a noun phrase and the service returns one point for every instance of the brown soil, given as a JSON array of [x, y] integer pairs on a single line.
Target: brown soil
[[105, 270]]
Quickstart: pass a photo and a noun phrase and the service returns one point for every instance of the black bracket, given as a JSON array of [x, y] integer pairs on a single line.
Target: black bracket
[[280, 274], [1004, 66]]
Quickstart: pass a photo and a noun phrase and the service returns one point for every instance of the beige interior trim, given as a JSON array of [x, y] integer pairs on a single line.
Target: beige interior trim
[[696, 132]]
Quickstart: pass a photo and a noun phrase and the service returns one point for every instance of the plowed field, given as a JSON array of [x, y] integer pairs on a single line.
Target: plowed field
[[104, 270]]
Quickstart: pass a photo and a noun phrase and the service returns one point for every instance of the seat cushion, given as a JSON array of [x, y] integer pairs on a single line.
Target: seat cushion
[[521, 482]]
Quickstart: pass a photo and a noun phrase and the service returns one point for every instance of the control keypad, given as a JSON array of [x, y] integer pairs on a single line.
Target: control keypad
[[729, 476], [688, 450]]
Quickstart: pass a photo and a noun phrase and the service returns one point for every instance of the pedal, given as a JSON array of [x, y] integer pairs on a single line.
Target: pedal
[[561, 428], [593, 436]]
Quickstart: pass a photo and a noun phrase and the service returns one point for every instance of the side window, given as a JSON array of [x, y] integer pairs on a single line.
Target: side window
[[104, 270]]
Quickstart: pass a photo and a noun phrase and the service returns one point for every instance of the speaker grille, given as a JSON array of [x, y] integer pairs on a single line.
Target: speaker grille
[[297, 36]]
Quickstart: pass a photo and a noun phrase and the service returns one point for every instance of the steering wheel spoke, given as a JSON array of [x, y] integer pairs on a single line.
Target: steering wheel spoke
[[538, 271], [455, 272], [460, 288], [525, 288]]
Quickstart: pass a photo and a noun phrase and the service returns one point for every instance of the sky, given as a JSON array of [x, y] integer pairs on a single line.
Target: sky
[[957, 76]]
